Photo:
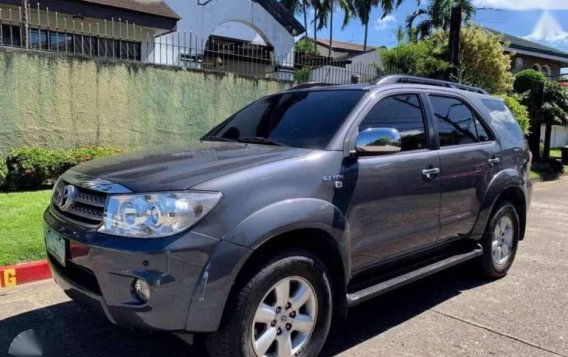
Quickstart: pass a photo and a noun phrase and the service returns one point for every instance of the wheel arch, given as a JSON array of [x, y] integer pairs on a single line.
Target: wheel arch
[[515, 196], [312, 240], [507, 185]]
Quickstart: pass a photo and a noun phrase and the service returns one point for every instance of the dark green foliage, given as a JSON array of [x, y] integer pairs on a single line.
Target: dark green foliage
[[423, 59], [525, 80], [437, 15], [305, 46], [3, 172], [519, 111], [302, 74], [31, 168]]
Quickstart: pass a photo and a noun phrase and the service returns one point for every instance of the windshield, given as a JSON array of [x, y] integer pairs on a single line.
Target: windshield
[[305, 119]]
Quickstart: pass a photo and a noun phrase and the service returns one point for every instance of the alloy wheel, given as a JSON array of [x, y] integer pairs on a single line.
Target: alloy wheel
[[285, 318], [502, 244]]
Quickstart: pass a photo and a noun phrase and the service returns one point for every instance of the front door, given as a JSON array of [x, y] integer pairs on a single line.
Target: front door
[[394, 206], [467, 158]]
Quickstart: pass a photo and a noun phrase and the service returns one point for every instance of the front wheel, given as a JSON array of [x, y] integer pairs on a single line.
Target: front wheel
[[500, 241], [284, 310]]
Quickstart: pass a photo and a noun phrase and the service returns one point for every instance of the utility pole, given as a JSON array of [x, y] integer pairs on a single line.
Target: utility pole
[[25, 17], [454, 43]]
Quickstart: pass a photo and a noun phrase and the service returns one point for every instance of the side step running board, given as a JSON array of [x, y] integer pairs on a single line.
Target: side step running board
[[391, 284]]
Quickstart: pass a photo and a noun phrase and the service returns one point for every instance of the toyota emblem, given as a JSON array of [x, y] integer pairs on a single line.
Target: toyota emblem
[[65, 197]]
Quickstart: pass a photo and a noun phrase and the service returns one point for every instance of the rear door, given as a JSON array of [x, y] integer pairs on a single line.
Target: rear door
[[467, 162], [394, 206]]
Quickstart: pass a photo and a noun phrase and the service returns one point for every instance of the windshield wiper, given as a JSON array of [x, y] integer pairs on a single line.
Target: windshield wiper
[[260, 140], [216, 138]]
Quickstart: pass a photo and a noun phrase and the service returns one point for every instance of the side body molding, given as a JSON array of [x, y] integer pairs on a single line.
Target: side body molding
[[501, 182]]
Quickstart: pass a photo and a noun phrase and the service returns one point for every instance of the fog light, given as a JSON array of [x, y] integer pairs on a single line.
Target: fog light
[[142, 290]]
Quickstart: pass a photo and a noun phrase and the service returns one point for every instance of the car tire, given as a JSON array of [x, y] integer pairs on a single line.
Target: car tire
[[249, 332], [500, 241]]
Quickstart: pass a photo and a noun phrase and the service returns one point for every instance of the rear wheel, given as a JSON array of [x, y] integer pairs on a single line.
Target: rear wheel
[[284, 310], [500, 241]]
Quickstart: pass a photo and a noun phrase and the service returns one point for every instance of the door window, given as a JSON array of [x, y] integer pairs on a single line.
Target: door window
[[457, 124], [403, 113]]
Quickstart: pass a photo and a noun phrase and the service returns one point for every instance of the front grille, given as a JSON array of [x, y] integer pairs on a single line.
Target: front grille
[[87, 206]]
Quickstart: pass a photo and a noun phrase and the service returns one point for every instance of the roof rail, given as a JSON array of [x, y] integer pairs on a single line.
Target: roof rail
[[311, 85], [429, 82]]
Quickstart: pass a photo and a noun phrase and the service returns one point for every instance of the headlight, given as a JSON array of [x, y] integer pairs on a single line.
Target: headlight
[[155, 215]]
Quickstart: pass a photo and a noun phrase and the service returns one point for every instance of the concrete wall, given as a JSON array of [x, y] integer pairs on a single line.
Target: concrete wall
[[55, 100], [559, 137]]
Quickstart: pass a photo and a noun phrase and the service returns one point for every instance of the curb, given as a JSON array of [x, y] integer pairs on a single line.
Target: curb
[[12, 275]]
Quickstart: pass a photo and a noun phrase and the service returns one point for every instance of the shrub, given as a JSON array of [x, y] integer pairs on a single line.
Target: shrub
[[85, 154], [525, 80], [423, 59], [519, 111], [305, 46], [302, 74], [30, 167], [33, 167], [3, 172]]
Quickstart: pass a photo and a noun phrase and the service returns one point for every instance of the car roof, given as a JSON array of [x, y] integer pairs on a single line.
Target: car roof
[[398, 82]]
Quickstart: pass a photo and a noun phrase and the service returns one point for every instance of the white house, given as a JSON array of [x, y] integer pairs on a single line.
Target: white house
[[263, 23]]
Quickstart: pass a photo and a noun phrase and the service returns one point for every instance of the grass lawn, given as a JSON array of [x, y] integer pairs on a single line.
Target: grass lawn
[[21, 226]]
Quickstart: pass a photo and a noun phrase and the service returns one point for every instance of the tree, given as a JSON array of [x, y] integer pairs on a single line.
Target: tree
[[422, 58], [400, 35], [296, 6], [547, 102], [483, 62], [362, 9], [554, 111], [482, 58], [520, 112], [437, 15], [325, 10]]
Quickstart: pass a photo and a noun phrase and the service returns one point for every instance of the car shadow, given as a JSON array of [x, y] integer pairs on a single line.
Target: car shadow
[[81, 333]]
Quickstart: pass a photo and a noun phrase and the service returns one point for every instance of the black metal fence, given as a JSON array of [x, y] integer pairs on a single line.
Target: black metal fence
[[38, 28]]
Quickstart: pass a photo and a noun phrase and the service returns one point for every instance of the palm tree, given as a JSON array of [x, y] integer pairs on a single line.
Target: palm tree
[[324, 10], [436, 15], [296, 6], [362, 9]]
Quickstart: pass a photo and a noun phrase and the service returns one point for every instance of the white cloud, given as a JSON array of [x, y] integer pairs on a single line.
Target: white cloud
[[385, 22], [549, 30], [519, 5]]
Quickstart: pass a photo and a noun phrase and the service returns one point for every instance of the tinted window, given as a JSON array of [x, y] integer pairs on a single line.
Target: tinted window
[[457, 124], [307, 119], [505, 124], [403, 113]]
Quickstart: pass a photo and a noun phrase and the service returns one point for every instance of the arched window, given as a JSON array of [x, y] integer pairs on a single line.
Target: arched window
[[536, 67], [518, 64], [546, 70]]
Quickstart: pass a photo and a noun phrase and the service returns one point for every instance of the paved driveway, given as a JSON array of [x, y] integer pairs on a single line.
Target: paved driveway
[[452, 313]]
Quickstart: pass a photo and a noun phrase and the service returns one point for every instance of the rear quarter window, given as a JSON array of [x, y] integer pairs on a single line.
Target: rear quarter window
[[504, 124]]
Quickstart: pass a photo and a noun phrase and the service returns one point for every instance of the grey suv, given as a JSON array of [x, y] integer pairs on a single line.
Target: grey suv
[[299, 206]]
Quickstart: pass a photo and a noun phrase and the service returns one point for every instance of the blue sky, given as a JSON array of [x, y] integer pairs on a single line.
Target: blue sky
[[544, 21]]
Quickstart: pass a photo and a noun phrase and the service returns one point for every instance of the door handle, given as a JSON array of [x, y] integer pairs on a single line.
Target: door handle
[[430, 173], [494, 161]]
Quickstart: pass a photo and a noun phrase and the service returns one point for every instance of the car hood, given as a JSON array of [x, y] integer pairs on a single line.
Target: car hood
[[183, 166]]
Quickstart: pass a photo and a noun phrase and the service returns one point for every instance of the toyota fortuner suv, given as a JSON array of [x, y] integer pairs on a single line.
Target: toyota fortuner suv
[[296, 208]]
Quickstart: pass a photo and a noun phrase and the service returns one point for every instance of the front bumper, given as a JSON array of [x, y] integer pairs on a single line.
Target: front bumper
[[100, 271]]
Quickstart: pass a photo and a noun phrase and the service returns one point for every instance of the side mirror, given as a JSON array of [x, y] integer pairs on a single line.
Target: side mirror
[[378, 141]]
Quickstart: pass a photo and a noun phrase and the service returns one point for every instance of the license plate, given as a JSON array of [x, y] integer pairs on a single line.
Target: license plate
[[55, 245]]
